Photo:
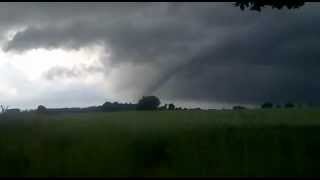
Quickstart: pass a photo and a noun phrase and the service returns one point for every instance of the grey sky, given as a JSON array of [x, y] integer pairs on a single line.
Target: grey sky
[[201, 53]]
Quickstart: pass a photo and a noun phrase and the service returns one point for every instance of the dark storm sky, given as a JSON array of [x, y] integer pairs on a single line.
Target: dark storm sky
[[195, 52]]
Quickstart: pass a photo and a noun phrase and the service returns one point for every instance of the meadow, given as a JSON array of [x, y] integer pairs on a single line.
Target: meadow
[[261, 142]]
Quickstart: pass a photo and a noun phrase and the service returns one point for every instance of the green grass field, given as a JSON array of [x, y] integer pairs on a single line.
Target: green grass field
[[275, 142]]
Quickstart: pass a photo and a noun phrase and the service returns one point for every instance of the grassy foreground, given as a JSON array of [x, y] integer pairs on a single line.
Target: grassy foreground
[[183, 143]]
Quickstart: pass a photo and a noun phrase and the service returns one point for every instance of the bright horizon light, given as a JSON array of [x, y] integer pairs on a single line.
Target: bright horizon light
[[22, 75]]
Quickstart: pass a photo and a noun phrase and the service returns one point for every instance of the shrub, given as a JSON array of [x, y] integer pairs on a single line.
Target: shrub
[[289, 105], [41, 109], [238, 107], [267, 105], [148, 103], [171, 107]]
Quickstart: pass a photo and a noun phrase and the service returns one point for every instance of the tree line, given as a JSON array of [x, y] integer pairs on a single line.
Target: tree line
[[269, 105], [256, 5], [146, 103]]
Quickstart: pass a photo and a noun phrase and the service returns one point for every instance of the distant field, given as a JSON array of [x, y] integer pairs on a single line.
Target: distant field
[[271, 142]]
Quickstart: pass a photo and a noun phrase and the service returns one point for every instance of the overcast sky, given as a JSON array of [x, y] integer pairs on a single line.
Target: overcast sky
[[200, 54]]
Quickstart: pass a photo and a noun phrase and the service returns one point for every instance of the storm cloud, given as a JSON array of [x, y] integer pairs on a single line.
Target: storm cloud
[[199, 52], [74, 72]]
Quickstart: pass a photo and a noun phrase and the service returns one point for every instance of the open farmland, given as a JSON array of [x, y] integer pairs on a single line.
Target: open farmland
[[162, 143]]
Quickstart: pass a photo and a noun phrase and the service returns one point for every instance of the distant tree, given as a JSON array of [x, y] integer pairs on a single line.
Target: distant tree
[[289, 105], [278, 106], [238, 107], [107, 106], [4, 108], [279, 4], [164, 107], [267, 105], [148, 103], [41, 109], [116, 106], [13, 111], [171, 107], [179, 108]]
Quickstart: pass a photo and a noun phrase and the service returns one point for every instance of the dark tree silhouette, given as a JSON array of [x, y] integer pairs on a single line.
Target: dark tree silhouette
[[148, 103], [164, 107], [171, 107], [279, 4], [4, 108], [41, 109], [278, 106], [267, 105], [289, 105], [116, 106], [238, 107], [13, 111]]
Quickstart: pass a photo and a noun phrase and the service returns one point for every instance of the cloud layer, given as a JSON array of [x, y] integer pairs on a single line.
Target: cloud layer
[[200, 52]]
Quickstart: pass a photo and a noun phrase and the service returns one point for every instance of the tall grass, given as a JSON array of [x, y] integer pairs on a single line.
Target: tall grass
[[276, 142]]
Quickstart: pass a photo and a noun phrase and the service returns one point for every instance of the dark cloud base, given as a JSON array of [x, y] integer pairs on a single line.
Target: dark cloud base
[[203, 51]]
